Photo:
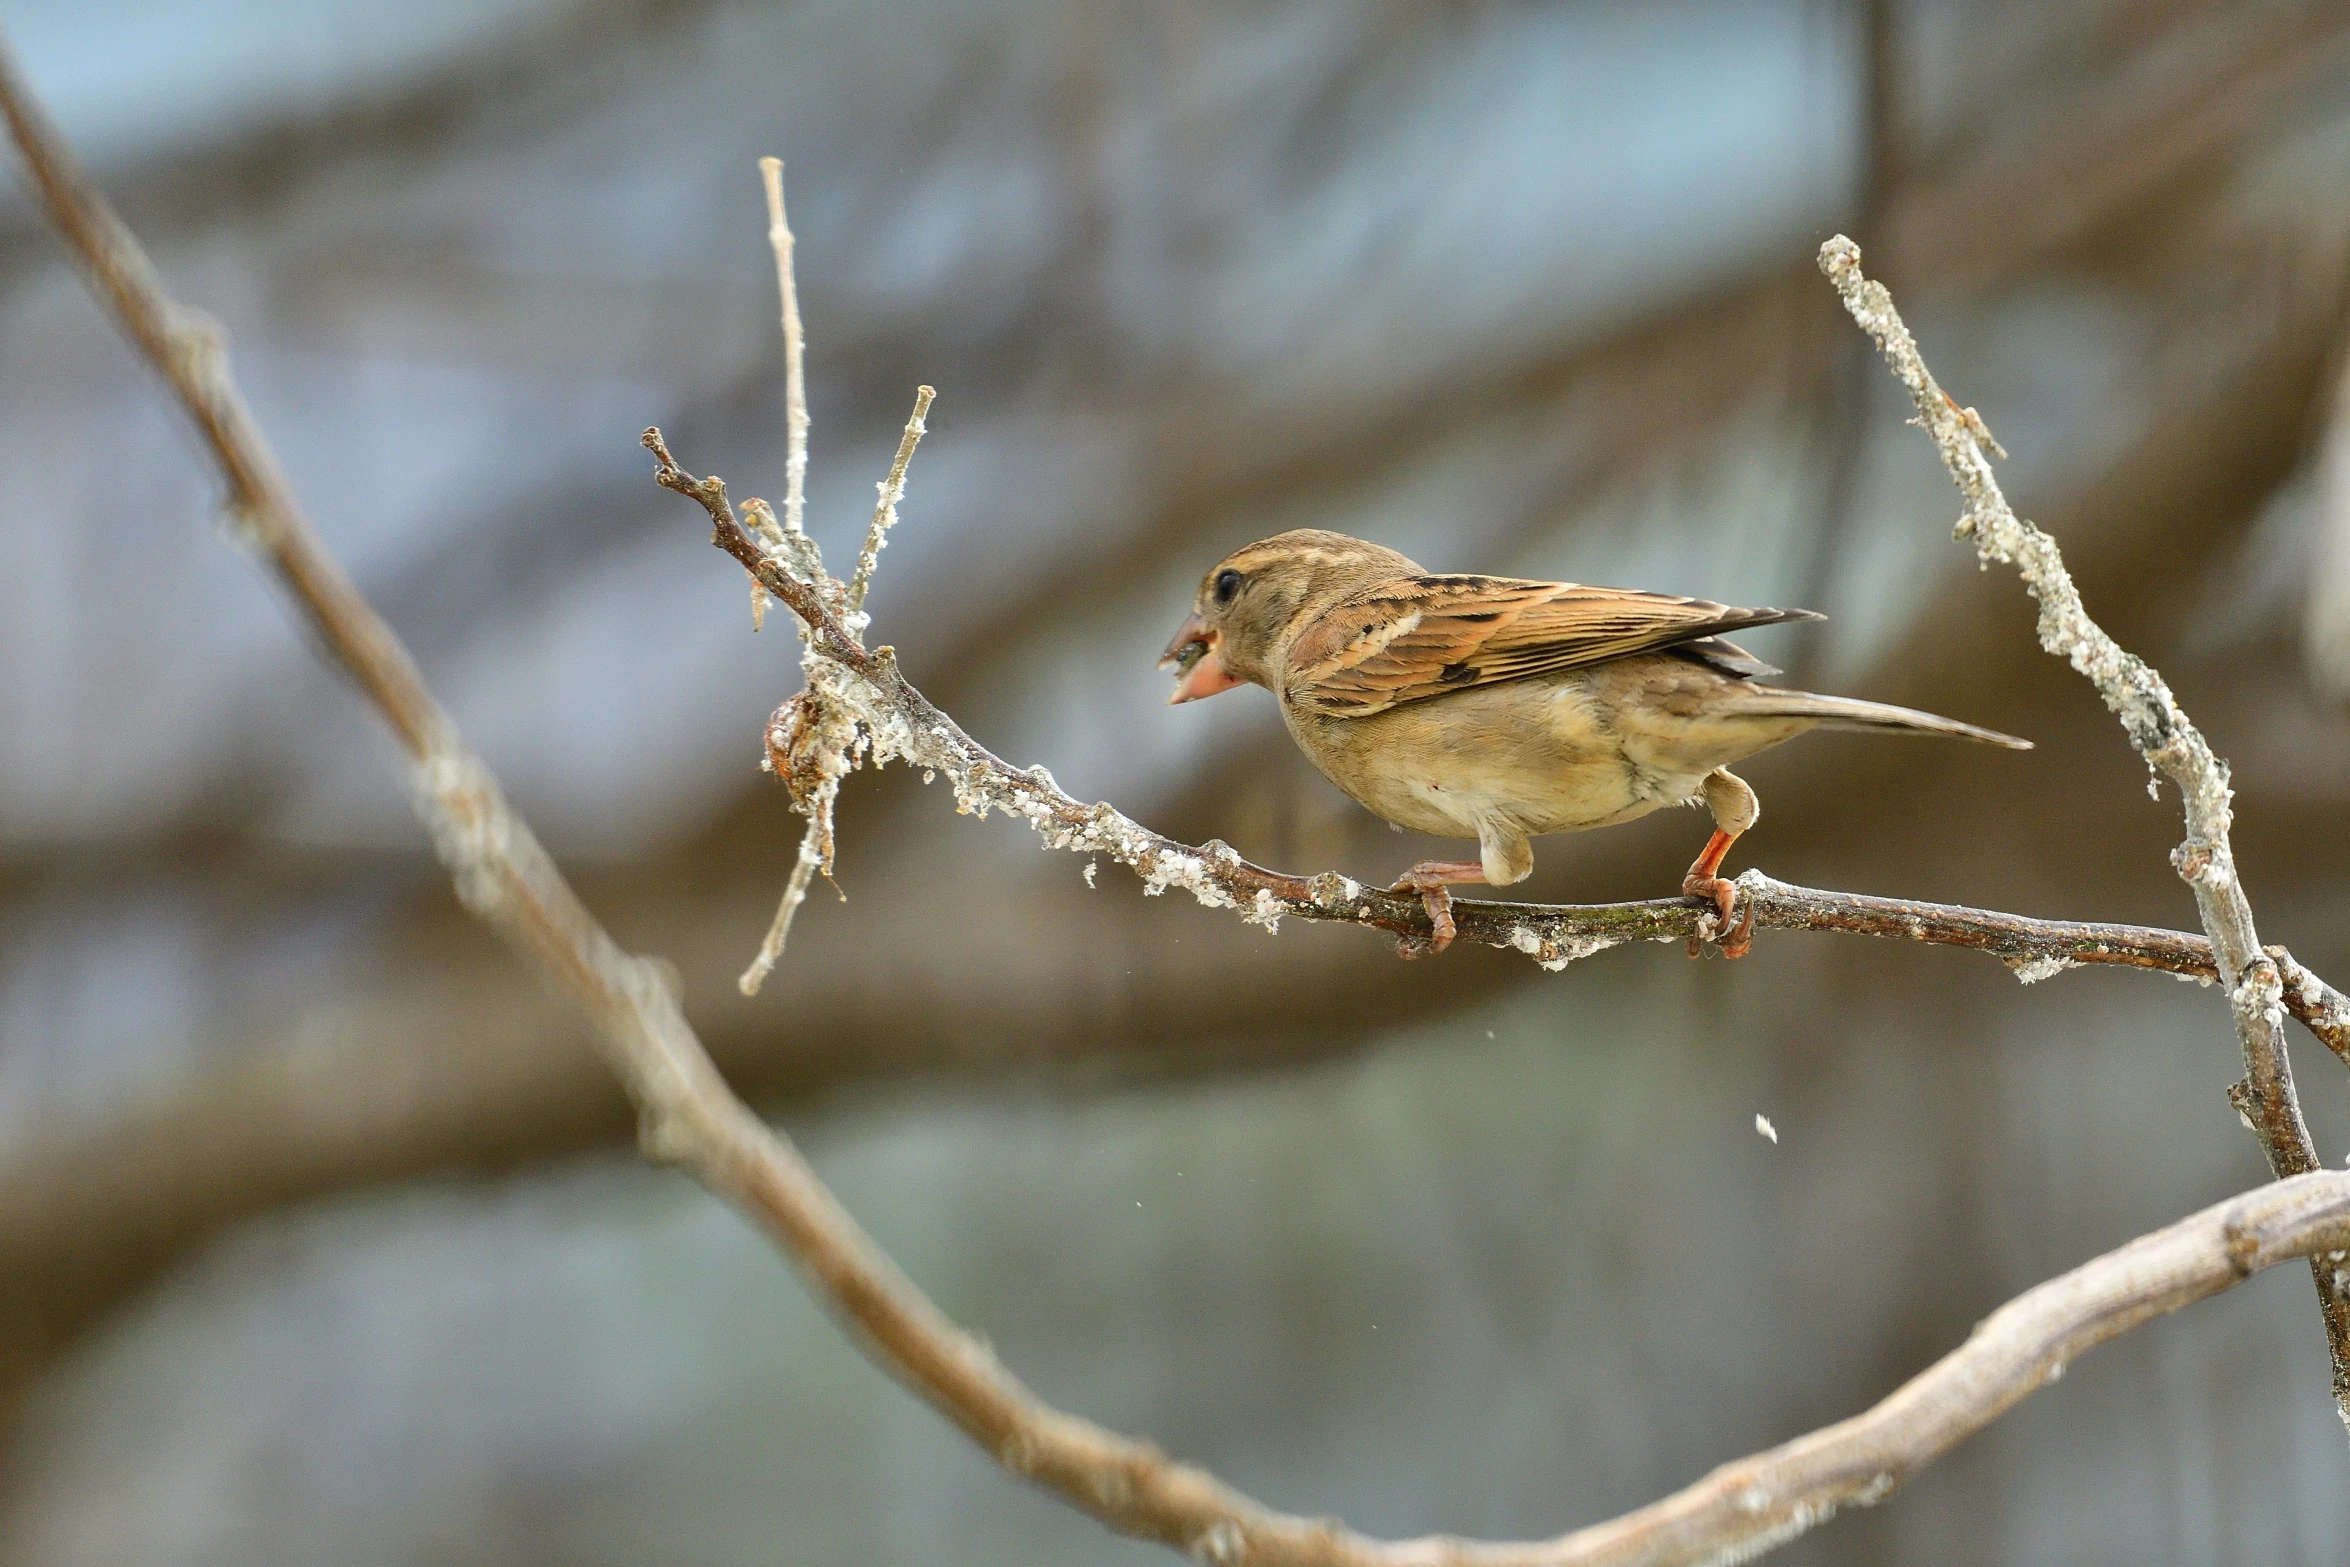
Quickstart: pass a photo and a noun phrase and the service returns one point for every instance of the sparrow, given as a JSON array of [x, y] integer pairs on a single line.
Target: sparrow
[[1500, 709]]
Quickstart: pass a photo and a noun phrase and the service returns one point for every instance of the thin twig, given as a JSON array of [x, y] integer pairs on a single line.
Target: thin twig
[[798, 552], [811, 746], [885, 509], [2323, 1009], [795, 368], [795, 892], [763, 524], [2160, 732]]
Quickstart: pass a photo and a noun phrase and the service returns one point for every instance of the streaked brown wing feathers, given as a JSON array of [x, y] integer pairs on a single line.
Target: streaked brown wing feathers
[[1418, 637]]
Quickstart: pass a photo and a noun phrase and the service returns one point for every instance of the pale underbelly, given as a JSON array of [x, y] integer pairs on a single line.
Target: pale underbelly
[[1499, 761], [1571, 800]]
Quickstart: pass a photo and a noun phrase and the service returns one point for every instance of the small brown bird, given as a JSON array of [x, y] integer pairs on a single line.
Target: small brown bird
[[1500, 709]]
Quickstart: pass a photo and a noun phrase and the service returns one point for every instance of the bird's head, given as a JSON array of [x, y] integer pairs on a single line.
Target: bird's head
[[1255, 600]]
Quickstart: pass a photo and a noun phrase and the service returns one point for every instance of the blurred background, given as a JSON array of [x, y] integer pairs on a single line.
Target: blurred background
[[321, 1240]]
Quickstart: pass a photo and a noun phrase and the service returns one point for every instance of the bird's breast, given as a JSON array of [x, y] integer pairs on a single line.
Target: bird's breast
[[1538, 755]]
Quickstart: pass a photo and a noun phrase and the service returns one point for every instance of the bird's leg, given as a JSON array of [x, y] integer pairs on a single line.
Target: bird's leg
[[1432, 880], [1735, 809], [1701, 882]]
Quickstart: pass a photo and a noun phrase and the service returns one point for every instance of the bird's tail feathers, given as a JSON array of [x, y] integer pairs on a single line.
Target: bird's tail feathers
[[1844, 712]]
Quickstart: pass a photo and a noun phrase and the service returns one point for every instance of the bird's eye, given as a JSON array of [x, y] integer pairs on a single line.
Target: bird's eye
[[1227, 584]]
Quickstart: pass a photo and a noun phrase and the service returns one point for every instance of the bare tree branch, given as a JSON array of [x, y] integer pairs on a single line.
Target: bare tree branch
[[689, 1117], [2161, 733]]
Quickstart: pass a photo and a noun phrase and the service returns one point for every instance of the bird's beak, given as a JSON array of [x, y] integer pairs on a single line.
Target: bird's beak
[[1199, 672]]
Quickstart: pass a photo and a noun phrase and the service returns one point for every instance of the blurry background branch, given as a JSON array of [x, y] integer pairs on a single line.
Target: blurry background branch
[[688, 1116], [2327, 623], [2225, 388], [205, 886]]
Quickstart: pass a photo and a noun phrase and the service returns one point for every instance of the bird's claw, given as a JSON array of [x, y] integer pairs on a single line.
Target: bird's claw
[[1735, 940], [1740, 941], [1436, 898], [1438, 902], [1720, 891], [1434, 880]]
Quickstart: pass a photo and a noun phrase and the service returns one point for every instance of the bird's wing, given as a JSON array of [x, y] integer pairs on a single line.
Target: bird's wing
[[1415, 637]]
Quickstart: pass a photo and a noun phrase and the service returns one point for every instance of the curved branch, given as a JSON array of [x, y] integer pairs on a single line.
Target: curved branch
[[1744, 1508]]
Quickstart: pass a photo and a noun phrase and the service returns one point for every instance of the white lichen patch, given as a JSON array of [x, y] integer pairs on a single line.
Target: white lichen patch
[[1329, 890], [2031, 971], [1170, 870], [1552, 953]]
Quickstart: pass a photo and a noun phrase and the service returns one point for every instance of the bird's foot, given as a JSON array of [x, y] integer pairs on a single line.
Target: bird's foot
[[1434, 880], [1705, 882], [1735, 940], [1740, 940], [1437, 900], [1720, 891]]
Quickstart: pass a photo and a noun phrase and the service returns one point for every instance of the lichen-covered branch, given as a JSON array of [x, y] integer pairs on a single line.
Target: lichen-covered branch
[[814, 740], [2160, 732], [898, 723]]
